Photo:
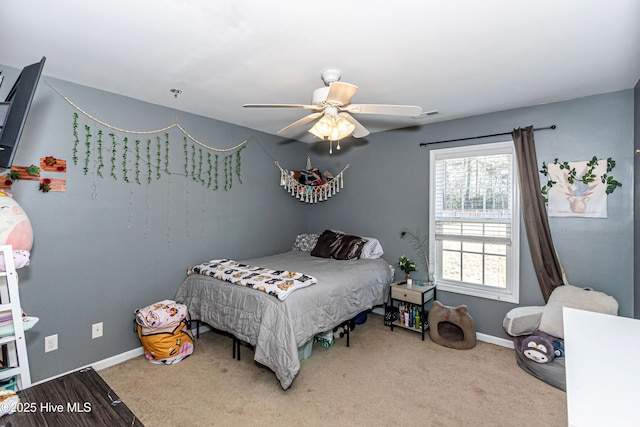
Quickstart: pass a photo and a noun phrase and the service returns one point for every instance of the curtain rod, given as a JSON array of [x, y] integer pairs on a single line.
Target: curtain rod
[[424, 144]]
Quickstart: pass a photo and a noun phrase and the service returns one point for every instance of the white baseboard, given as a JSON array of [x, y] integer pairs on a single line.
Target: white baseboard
[[101, 364], [114, 360], [495, 340], [118, 358]]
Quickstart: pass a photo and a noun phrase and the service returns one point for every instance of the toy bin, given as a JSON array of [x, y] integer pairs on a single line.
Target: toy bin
[[304, 352], [8, 383]]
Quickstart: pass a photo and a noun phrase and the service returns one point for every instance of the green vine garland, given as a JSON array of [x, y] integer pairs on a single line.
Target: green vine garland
[[157, 163], [587, 178], [113, 155], [148, 161], [137, 171], [215, 173], [76, 139], [200, 166], [228, 173], [209, 169], [158, 158], [193, 163], [87, 144], [239, 163], [186, 157], [166, 153], [125, 169], [100, 155]]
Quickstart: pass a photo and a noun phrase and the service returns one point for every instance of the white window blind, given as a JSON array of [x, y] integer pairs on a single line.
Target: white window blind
[[473, 198]]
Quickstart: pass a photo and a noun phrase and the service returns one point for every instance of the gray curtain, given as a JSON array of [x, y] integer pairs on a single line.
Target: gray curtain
[[543, 254]]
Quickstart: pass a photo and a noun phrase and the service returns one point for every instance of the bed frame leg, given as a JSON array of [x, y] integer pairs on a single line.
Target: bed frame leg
[[236, 348], [197, 329], [348, 328]]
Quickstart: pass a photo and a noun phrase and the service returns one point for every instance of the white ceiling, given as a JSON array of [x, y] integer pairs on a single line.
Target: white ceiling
[[461, 58]]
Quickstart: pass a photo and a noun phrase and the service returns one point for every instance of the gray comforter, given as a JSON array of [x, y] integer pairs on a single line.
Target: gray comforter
[[277, 328]]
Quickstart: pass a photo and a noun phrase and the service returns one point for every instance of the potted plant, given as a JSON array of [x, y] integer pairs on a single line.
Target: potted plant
[[420, 244], [407, 266]]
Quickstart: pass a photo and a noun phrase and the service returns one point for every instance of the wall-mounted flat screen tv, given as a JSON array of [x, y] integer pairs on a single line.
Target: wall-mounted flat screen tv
[[14, 110]]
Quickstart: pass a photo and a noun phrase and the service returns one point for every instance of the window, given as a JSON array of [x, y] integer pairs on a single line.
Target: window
[[474, 218]]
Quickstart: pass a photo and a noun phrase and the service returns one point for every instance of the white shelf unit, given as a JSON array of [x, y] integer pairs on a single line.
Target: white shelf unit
[[18, 361]]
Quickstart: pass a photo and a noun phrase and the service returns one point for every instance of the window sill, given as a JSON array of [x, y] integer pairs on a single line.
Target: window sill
[[479, 292]]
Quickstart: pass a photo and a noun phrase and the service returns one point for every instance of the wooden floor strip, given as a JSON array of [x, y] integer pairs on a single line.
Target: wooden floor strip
[[80, 399]]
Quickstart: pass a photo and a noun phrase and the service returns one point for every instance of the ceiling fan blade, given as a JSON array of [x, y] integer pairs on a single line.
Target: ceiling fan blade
[[301, 122], [360, 131], [389, 110], [305, 107], [340, 93]]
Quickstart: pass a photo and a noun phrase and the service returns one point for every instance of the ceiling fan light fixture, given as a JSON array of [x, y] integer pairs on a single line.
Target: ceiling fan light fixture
[[333, 109], [322, 128], [331, 128], [345, 126], [342, 129], [315, 133]]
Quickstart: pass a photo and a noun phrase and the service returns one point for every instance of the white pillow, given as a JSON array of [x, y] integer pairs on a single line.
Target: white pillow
[[573, 297], [372, 249]]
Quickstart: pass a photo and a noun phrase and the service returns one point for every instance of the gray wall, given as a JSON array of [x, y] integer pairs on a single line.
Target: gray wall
[[101, 252], [104, 248], [386, 189], [636, 198]]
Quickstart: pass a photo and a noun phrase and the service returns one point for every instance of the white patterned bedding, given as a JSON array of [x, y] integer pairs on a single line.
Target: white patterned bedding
[[279, 283], [277, 328]]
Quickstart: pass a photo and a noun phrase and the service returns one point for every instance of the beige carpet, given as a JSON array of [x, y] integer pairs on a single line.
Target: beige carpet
[[384, 379]]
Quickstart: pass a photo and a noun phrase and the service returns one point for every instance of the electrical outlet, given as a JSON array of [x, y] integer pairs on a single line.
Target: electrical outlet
[[96, 330], [50, 343]]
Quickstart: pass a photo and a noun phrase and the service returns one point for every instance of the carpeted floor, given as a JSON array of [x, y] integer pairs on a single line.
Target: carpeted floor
[[384, 379]]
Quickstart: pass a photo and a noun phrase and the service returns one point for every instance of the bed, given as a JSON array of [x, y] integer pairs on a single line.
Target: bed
[[278, 328]]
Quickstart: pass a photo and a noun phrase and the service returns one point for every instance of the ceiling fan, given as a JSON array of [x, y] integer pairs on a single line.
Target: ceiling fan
[[333, 110]]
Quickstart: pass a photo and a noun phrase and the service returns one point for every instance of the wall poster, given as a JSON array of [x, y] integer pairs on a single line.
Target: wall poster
[[569, 197]]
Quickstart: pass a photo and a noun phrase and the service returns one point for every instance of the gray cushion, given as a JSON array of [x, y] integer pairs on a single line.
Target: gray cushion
[[573, 297], [522, 320]]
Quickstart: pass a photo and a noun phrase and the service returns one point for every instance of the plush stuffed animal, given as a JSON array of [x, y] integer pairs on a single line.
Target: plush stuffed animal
[[558, 348], [15, 227], [538, 347], [20, 259], [339, 331]]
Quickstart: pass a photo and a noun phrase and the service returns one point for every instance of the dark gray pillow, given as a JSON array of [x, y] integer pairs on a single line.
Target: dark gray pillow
[[350, 248], [328, 244]]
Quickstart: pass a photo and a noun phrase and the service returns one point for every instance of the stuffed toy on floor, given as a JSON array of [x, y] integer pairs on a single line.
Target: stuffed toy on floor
[[538, 347]]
